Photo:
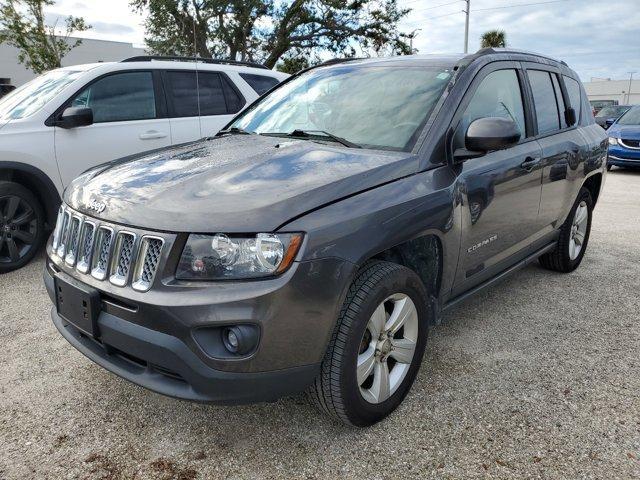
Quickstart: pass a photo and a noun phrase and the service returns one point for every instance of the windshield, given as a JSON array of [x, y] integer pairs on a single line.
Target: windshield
[[376, 107], [632, 117], [32, 96], [614, 111]]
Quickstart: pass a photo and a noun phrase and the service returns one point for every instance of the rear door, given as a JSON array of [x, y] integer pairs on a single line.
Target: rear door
[[129, 117], [500, 191], [562, 144]]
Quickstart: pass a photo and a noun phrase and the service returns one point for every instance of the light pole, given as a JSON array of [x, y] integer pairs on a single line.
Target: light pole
[[466, 26], [629, 89]]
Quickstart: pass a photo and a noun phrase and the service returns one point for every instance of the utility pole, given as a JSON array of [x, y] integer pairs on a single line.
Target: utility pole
[[629, 89], [466, 26]]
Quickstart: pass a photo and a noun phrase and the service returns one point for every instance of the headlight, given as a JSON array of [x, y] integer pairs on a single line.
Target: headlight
[[220, 256], [613, 141]]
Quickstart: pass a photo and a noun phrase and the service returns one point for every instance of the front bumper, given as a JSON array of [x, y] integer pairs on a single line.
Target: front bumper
[[623, 157], [151, 338]]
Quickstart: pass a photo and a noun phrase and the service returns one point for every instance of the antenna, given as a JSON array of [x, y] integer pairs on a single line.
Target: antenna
[[195, 61]]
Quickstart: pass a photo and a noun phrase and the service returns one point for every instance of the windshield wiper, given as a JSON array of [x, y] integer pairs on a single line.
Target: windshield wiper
[[318, 134], [234, 131]]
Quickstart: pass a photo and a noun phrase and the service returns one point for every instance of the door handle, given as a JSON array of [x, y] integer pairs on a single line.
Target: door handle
[[529, 163], [152, 135]]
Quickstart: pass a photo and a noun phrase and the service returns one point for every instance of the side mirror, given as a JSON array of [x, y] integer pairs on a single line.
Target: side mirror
[[488, 134], [73, 117], [570, 116]]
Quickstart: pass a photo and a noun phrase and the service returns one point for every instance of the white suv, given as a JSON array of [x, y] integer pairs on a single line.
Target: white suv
[[70, 119]]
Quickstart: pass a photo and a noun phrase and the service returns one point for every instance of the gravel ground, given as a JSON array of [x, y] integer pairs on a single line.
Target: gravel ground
[[538, 377]]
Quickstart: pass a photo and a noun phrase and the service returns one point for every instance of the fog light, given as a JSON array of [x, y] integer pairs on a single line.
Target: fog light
[[240, 339], [232, 340]]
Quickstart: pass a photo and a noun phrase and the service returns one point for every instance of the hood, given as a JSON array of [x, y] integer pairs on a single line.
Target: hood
[[632, 132], [238, 183]]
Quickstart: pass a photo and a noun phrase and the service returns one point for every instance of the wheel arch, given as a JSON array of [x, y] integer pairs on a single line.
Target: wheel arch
[[593, 183], [37, 182], [425, 256]]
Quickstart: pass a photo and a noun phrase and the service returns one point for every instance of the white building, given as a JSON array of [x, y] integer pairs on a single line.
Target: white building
[[616, 90], [89, 51]]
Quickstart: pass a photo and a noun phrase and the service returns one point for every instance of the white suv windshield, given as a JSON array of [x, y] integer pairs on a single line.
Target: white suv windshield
[[32, 96], [376, 107]]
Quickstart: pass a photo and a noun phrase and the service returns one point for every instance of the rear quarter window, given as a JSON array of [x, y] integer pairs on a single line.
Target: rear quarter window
[[259, 83], [573, 90]]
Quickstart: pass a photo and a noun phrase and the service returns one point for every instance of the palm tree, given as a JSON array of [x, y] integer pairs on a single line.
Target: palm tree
[[493, 38]]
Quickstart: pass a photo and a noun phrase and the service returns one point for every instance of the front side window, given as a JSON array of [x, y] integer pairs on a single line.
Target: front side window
[[31, 97], [259, 83], [498, 95], [119, 97], [632, 117], [377, 107], [544, 99]]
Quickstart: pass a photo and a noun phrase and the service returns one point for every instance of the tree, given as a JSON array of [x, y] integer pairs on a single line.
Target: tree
[[22, 25], [493, 38], [269, 31]]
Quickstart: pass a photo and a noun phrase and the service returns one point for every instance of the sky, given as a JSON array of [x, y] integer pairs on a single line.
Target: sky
[[597, 38]]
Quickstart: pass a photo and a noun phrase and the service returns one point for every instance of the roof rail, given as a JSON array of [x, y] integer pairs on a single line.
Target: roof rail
[[334, 61], [489, 50], [178, 58]]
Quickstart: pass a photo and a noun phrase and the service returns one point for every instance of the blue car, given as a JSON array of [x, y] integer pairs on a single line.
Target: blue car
[[624, 140]]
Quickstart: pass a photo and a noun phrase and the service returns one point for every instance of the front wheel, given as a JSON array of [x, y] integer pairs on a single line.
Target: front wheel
[[574, 237], [21, 226], [377, 346]]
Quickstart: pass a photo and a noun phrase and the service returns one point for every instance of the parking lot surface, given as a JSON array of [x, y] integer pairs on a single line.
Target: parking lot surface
[[537, 377]]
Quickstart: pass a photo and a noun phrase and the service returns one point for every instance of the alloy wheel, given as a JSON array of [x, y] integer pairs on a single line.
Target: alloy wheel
[[18, 228], [387, 348], [578, 230]]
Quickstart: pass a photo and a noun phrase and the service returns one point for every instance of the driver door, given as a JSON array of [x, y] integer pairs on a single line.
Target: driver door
[[128, 118], [500, 190]]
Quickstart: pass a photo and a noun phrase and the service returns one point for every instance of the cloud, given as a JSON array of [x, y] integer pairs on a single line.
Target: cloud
[[591, 36]]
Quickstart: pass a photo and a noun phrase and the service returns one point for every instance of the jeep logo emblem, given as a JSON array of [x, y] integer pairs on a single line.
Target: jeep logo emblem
[[96, 206]]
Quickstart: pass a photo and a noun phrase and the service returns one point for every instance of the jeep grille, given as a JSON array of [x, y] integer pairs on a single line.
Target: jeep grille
[[105, 250]]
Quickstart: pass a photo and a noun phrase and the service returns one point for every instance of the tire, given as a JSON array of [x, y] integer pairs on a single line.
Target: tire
[[21, 226], [337, 391], [609, 167], [562, 258]]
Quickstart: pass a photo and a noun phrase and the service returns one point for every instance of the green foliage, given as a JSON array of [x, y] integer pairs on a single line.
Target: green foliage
[[493, 38], [22, 25], [269, 31]]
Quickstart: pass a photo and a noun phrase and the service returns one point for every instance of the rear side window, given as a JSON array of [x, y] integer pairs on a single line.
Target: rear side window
[[498, 95], [217, 96], [559, 100], [211, 94], [573, 90], [235, 101], [184, 93], [544, 99], [119, 97], [260, 83]]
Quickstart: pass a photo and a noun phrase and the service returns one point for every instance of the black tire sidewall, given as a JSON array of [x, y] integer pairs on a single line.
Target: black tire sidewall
[[12, 188], [586, 196], [358, 410]]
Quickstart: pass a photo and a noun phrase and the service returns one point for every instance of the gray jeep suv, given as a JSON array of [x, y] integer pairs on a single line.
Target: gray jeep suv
[[311, 244]]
